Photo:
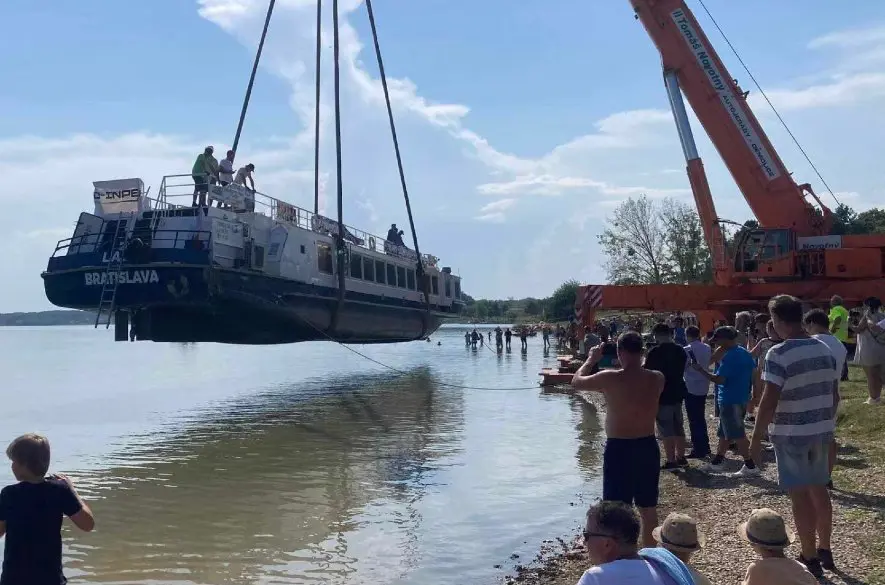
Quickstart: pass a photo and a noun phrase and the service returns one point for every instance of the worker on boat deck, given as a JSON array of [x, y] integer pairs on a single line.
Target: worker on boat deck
[[244, 174], [225, 172], [205, 169], [395, 236]]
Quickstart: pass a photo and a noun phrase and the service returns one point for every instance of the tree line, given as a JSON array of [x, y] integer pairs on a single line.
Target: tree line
[[648, 241], [559, 306]]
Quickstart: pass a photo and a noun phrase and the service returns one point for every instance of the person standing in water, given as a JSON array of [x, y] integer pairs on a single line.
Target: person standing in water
[[631, 459]]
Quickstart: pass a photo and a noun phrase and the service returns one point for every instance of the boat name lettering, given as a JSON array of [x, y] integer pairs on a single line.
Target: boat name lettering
[[121, 277], [113, 257], [122, 194]]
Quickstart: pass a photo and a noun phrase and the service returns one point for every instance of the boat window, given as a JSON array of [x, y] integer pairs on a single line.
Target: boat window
[[401, 277], [448, 288], [457, 289], [391, 275], [356, 266], [379, 272], [368, 269], [410, 278], [434, 285], [324, 258]]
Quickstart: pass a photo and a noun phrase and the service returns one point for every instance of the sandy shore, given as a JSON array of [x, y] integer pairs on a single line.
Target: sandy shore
[[721, 502]]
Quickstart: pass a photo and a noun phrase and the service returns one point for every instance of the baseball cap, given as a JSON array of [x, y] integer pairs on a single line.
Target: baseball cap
[[725, 333]]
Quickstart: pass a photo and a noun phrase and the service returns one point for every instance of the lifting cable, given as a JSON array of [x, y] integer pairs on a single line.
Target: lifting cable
[[399, 163], [316, 143], [252, 76], [764, 95], [340, 247]]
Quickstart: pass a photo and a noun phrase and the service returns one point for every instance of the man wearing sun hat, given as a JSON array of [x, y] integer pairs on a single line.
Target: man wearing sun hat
[[767, 533], [679, 534]]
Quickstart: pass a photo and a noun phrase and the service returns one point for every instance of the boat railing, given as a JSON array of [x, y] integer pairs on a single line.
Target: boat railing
[[162, 238], [175, 187]]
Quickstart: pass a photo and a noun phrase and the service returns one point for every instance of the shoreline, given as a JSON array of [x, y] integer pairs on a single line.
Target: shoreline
[[720, 503]]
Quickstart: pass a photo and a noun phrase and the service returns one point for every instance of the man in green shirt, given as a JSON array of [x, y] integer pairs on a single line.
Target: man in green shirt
[[839, 326], [204, 171]]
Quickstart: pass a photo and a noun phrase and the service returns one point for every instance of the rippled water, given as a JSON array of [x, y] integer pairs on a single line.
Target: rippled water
[[301, 463]]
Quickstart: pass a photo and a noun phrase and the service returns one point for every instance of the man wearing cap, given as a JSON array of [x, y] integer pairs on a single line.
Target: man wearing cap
[[670, 359], [733, 379], [679, 534], [205, 169], [767, 533]]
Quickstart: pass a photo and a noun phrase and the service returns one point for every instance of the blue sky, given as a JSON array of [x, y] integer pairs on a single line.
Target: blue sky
[[523, 123]]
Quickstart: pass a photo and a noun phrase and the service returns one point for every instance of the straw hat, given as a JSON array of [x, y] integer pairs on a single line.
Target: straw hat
[[766, 529], [679, 533]]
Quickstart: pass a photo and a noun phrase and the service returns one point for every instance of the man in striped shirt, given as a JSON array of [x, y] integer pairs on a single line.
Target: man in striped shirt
[[798, 406]]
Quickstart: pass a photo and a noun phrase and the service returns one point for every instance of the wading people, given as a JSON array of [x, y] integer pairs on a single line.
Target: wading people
[[799, 402], [767, 533], [507, 335], [631, 458], [817, 325], [837, 325], [733, 379], [698, 387], [31, 514], [670, 359], [679, 534]]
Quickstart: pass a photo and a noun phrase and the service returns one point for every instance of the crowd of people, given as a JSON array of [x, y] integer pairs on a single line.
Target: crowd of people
[[777, 373]]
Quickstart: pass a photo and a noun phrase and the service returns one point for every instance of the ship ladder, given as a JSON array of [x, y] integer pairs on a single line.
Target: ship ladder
[[110, 279]]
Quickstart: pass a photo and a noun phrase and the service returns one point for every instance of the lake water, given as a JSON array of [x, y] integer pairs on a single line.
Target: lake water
[[300, 463]]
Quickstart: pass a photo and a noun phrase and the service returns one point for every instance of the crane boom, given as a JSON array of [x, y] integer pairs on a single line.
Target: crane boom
[[722, 108], [792, 250]]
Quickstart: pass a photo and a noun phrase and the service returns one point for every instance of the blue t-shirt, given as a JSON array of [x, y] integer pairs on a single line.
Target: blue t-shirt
[[736, 367], [679, 336]]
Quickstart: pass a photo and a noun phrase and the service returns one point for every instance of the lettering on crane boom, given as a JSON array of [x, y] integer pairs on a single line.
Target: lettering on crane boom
[[725, 90]]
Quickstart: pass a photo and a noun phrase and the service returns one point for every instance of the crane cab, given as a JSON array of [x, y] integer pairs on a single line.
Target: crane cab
[[773, 254]]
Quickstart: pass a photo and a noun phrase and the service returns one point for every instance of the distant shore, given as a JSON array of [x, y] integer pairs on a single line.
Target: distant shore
[[719, 502], [46, 318]]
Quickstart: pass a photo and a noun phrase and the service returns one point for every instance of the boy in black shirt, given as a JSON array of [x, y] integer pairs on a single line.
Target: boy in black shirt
[[31, 514], [669, 359]]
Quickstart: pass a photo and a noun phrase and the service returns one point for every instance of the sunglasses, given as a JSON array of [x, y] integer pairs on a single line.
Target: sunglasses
[[588, 535]]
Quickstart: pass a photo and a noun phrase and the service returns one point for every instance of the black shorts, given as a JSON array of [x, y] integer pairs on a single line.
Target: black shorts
[[201, 184], [631, 469]]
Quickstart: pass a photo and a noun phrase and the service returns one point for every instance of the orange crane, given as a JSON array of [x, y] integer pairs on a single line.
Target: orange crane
[[792, 250]]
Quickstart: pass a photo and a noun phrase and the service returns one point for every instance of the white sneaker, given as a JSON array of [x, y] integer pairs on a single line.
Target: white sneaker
[[746, 472], [873, 401]]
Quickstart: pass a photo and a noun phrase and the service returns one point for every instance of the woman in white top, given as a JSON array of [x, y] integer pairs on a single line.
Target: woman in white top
[[870, 353]]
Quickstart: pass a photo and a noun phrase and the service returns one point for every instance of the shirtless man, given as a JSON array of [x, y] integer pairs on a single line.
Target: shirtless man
[[631, 461]]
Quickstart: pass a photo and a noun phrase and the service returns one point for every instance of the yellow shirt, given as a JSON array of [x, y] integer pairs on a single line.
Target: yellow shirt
[[778, 571], [841, 333]]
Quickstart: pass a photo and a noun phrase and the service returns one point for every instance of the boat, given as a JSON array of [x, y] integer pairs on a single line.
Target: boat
[[258, 271]]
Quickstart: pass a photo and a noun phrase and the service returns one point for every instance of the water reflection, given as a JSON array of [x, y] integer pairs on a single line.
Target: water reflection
[[274, 488], [589, 437]]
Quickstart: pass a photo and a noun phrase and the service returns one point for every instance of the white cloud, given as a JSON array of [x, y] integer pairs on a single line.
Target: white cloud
[[852, 38], [500, 205], [841, 91], [496, 217]]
